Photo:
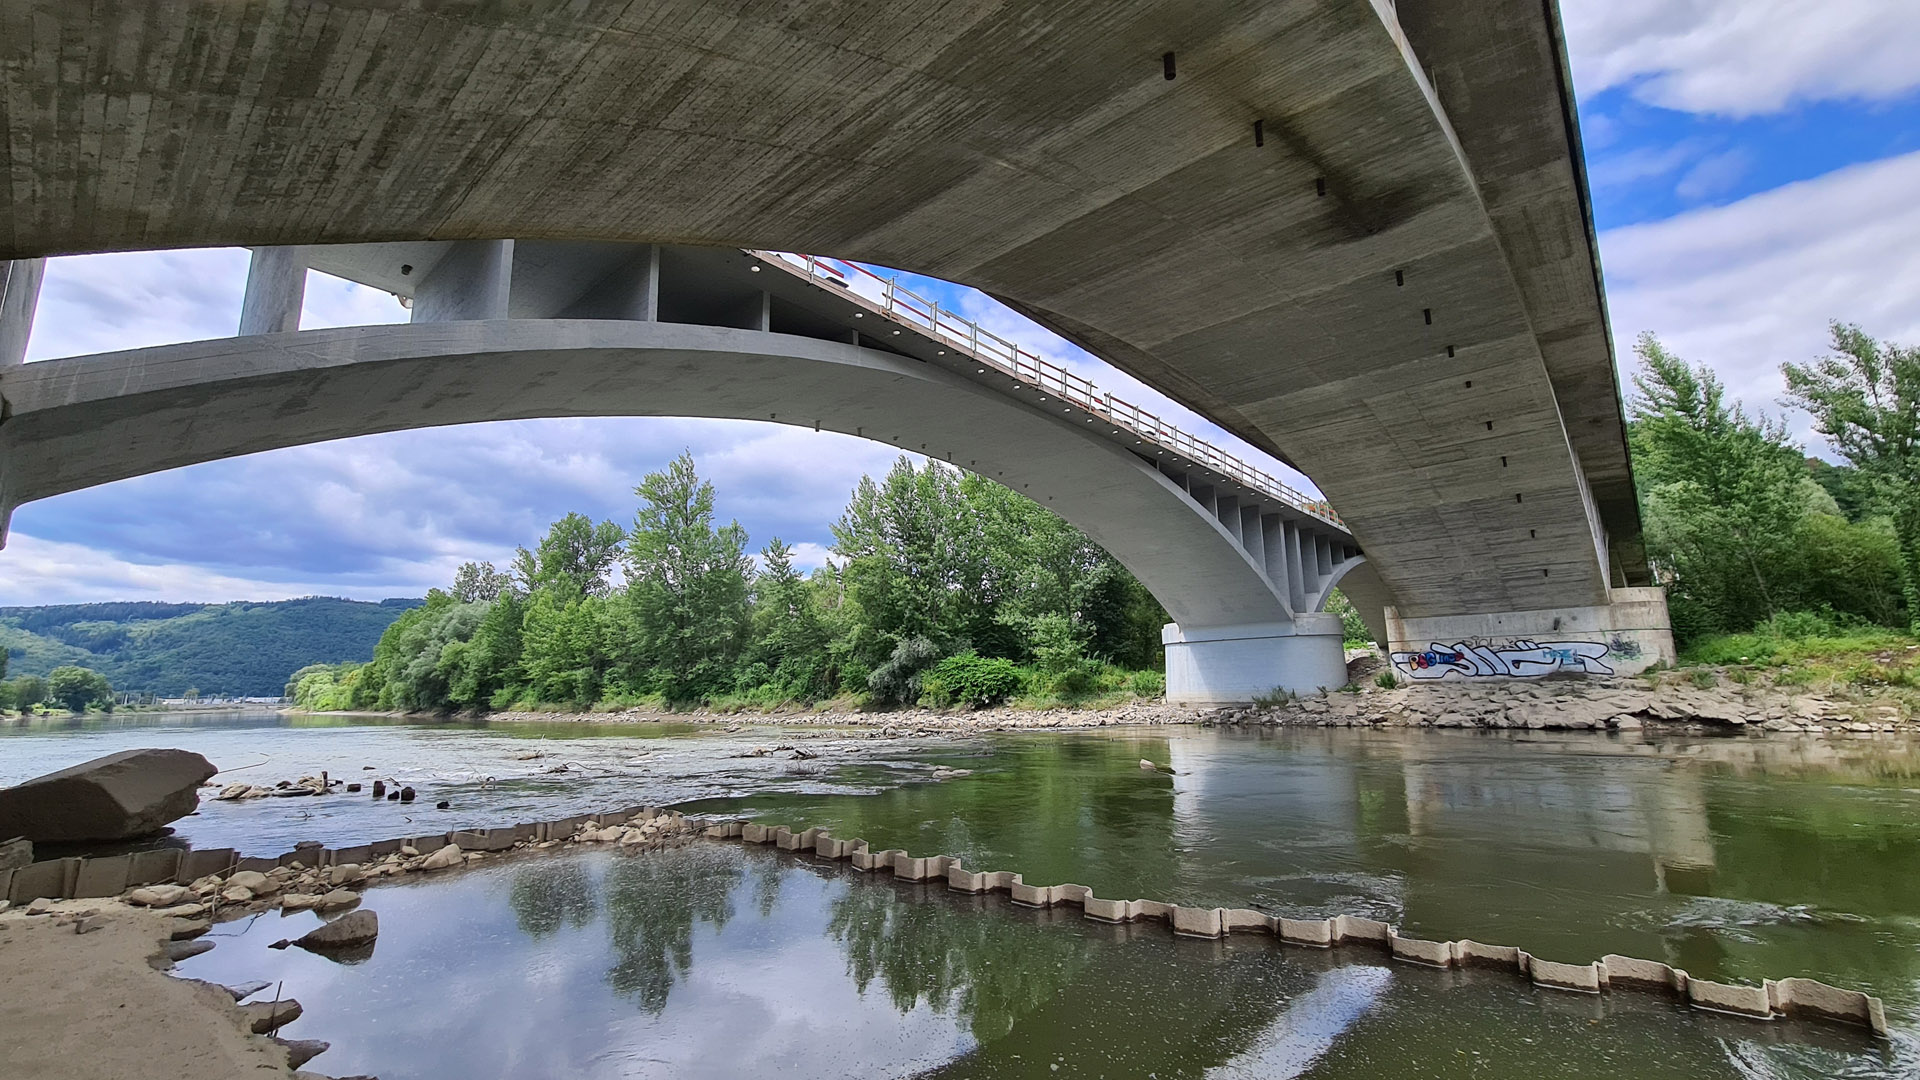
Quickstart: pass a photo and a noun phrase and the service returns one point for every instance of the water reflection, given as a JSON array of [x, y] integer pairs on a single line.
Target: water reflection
[[750, 962]]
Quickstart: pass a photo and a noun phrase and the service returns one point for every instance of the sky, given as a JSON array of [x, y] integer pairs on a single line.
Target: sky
[[1755, 167]]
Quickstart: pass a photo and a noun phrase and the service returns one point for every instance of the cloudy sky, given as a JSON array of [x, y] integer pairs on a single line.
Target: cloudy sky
[[1755, 165]]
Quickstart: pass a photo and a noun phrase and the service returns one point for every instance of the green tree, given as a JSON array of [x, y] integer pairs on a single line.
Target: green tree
[[28, 691], [480, 582], [1723, 494], [1865, 398], [686, 587], [575, 554], [77, 688], [788, 650], [565, 647]]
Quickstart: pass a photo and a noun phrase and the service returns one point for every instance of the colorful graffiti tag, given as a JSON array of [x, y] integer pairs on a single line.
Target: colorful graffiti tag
[[1515, 659]]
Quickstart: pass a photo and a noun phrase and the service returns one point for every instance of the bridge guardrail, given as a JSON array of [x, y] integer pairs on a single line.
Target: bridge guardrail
[[890, 299]]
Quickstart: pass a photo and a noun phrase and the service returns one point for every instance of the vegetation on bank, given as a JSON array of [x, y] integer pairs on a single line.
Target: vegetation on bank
[[1761, 549], [240, 649], [944, 588], [75, 689]]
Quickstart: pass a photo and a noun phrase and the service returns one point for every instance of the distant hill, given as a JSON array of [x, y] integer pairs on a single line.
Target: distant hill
[[239, 649]]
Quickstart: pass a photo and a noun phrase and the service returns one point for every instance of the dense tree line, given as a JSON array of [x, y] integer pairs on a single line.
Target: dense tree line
[[76, 689], [943, 587], [1745, 530]]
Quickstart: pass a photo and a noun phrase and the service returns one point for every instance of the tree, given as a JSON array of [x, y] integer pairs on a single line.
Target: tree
[[1865, 398], [789, 638], [28, 691], [480, 582], [1723, 493], [575, 554], [78, 688], [686, 587]]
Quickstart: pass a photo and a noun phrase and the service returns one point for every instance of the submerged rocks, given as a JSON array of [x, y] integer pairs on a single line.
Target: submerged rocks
[[263, 1017], [116, 797], [350, 931]]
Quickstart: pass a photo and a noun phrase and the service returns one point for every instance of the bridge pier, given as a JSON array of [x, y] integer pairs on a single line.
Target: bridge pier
[[1217, 665], [19, 296], [1627, 635]]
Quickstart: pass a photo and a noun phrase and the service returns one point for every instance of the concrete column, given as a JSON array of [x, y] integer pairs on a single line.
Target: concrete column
[[19, 297], [276, 288], [630, 292], [1623, 637], [1231, 664], [472, 281]]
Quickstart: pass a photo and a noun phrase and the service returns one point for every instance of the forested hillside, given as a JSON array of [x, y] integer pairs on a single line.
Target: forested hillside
[[239, 649]]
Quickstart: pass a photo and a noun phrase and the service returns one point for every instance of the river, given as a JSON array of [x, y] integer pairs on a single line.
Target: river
[[1735, 858]]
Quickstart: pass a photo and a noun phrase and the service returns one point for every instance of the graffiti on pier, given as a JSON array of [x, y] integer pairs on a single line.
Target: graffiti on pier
[[1514, 659]]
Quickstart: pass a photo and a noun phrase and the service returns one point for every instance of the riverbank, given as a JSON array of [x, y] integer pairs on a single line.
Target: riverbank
[[1682, 699], [83, 1006]]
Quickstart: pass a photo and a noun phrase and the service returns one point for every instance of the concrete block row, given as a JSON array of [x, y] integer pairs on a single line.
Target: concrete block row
[[1787, 997]]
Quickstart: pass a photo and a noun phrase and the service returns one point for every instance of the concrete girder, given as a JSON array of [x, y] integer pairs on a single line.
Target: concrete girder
[[1346, 293], [91, 420]]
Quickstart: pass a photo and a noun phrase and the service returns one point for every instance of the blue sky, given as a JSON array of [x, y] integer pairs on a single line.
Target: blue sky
[[1755, 168]]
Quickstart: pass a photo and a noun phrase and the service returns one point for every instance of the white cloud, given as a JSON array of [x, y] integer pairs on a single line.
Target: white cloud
[[51, 572], [1745, 57], [1748, 286]]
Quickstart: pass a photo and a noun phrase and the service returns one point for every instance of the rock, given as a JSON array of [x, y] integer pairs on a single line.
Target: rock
[[187, 929], [379, 789], [40, 906], [344, 874], [1147, 765], [246, 990], [180, 950], [349, 931], [89, 924], [292, 792], [16, 853], [236, 894], [336, 899], [301, 1051], [263, 1017], [234, 791], [351, 789], [123, 795], [446, 857], [406, 794], [160, 895], [254, 881], [294, 901], [409, 850], [443, 805]]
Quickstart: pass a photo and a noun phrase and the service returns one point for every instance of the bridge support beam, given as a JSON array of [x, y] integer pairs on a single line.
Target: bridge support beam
[[1219, 665], [1625, 636], [19, 296], [276, 290]]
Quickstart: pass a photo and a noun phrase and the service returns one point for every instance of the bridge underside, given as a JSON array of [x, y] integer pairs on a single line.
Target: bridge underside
[[1291, 234]]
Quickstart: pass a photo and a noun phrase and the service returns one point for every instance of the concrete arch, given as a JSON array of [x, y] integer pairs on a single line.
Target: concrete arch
[[91, 420]]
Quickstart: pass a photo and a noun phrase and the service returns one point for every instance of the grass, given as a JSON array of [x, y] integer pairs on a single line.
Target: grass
[[1803, 650]]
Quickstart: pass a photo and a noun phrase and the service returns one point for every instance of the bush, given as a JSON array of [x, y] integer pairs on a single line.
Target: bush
[[1148, 684], [897, 682], [1387, 680], [970, 679]]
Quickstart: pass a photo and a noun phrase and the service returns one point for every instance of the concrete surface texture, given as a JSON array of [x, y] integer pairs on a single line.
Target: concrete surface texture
[[1388, 282]]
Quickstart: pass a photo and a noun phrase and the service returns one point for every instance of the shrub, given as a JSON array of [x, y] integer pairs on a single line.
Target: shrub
[[1149, 684], [1706, 679], [970, 679], [897, 681], [1387, 680]]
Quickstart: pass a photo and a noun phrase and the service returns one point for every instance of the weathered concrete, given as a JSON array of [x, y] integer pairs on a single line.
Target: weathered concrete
[[276, 289], [19, 296], [131, 793], [1218, 664], [1623, 637], [1399, 298]]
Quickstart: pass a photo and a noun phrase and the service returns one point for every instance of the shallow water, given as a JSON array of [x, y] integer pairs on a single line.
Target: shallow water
[[1734, 858], [723, 961], [488, 771]]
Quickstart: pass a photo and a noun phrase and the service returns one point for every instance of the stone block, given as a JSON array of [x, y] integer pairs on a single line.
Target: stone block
[[1002, 880], [1728, 998], [1627, 971], [483, 839], [526, 832], [1421, 951], [787, 840], [909, 868], [152, 867], [361, 854], [102, 876], [1352, 928], [754, 833], [1471, 953], [1809, 997], [1071, 894], [195, 865], [1316, 932], [1152, 909], [37, 880], [1581, 977], [380, 849], [1246, 921], [121, 795], [1032, 895], [960, 879], [16, 853], [1113, 911], [256, 863], [876, 860], [6, 884], [1196, 921], [425, 844]]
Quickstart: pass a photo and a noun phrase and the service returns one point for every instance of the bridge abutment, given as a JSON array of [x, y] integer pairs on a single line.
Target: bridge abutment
[[1625, 636], [1218, 665]]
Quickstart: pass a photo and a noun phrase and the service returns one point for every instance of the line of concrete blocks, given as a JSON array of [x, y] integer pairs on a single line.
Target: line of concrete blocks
[[78, 878], [1800, 998]]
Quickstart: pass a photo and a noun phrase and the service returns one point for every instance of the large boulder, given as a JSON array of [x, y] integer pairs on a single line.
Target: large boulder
[[123, 795], [350, 931]]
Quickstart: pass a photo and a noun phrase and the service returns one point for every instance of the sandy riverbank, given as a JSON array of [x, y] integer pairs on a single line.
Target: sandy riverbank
[[91, 1007]]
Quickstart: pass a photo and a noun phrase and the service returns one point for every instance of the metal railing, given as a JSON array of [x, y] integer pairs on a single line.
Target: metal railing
[[889, 298]]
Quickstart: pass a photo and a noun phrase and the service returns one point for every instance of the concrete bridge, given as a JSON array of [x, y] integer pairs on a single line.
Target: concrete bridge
[[1354, 233]]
